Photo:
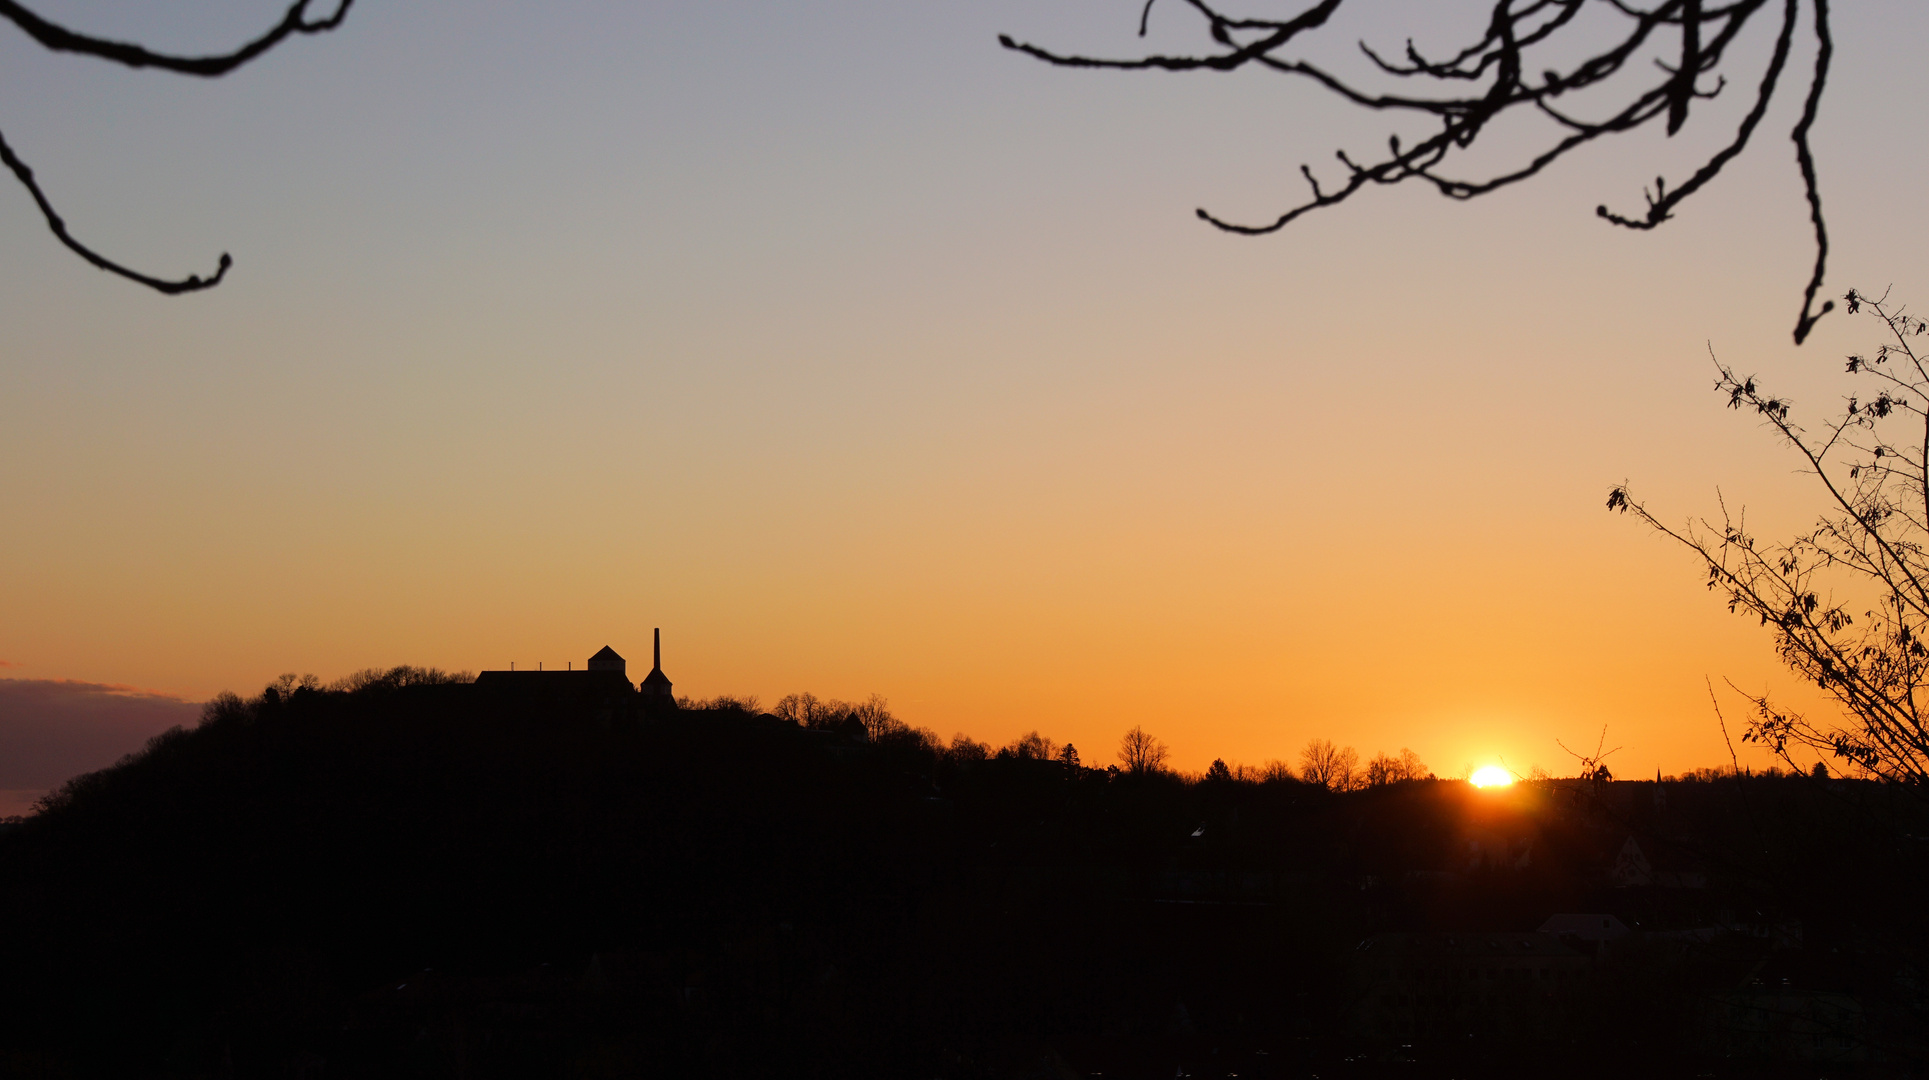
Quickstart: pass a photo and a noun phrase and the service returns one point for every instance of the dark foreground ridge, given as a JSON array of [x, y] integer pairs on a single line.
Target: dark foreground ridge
[[428, 879]]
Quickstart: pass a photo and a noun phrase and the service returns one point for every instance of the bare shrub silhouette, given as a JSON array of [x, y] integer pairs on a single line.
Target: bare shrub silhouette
[[1848, 600]]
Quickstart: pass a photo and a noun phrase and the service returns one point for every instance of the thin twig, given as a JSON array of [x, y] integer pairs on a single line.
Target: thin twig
[[191, 283]]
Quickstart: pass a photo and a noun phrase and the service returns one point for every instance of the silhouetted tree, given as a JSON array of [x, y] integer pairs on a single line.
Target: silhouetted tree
[[1385, 769], [872, 716], [748, 704], [964, 749], [1277, 771], [800, 709], [1031, 747], [1866, 558], [1068, 756], [60, 39], [1218, 772], [1530, 56], [875, 714], [1140, 753], [1328, 766], [384, 679]]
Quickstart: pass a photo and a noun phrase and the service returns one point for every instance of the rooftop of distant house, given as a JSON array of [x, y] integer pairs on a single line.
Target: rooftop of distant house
[[606, 669]]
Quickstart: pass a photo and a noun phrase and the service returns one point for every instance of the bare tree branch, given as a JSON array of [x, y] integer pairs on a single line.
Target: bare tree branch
[[1500, 57], [1825, 51], [191, 283], [1871, 542], [61, 39]]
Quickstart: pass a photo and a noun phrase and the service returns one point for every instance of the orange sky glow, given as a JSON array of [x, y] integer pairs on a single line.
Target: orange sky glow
[[862, 356]]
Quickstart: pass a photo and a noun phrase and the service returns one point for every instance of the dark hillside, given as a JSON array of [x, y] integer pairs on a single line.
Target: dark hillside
[[418, 880]]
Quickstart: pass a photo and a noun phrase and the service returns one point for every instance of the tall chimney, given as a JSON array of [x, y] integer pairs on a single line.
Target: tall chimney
[[659, 648]]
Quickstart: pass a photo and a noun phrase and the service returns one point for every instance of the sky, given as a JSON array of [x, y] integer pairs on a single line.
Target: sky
[[864, 356]]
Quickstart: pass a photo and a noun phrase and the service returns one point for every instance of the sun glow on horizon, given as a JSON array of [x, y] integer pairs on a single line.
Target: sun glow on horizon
[[1490, 776]]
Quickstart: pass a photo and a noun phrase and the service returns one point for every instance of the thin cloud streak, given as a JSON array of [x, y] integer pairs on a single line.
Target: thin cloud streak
[[53, 729]]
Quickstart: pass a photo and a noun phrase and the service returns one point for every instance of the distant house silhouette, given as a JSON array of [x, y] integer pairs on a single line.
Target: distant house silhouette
[[601, 687]]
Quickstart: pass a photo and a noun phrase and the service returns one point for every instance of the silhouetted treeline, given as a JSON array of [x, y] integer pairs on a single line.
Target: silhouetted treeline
[[404, 877]]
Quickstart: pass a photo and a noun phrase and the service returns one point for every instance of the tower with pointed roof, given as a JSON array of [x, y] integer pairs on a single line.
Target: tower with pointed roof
[[656, 685]]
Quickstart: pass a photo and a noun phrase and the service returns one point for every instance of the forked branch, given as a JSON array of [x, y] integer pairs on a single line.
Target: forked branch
[[60, 39], [1848, 600], [1501, 58]]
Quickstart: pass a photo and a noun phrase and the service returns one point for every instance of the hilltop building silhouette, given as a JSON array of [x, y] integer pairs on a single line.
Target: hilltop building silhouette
[[609, 660], [601, 687]]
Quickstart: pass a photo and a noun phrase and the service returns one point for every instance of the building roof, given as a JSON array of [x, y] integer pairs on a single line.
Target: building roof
[[607, 653], [549, 677]]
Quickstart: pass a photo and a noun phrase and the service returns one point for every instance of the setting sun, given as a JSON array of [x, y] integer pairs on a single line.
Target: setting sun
[[1490, 776]]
